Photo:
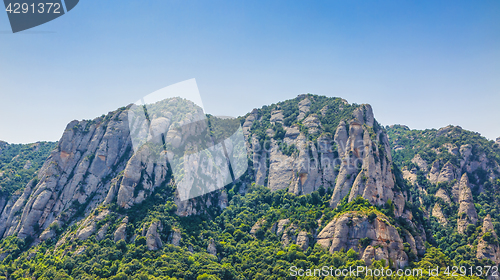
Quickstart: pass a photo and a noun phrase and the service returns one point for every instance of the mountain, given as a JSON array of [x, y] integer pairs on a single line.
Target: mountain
[[19, 163], [455, 177], [326, 185]]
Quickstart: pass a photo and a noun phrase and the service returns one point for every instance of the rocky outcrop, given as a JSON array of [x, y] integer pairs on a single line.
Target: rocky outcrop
[[422, 164], [276, 116], [466, 211], [86, 232], [366, 165], [121, 231], [304, 106], [247, 125], [447, 173], [290, 235], [452, 149], [212, 248], [410, 175], [313, 124], [433, 175], [382, 239], [176, 237], [303, 240], [153, 240], [257, 226], [438, 213], [282, 225], [488, 247], [101, 234], [74, 175], [441, 193]]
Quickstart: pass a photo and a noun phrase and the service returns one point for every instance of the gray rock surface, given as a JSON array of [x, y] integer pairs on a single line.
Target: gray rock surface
[[258, 225], [212, 248], [346, 231], [441, 193], [447, 173], [438, 213], [422, 164], [304, 107], [282, 225], [176, 237], [488, 249], [303, 240], [153, 240], [467, 211], [365, 170], [121, 231]]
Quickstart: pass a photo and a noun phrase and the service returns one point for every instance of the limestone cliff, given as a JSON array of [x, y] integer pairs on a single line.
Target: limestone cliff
[[488, 247], [381, 240], [467, 211], [355, 161]]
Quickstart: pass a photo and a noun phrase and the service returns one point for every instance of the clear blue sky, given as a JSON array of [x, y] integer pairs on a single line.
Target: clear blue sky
[[425, 64]]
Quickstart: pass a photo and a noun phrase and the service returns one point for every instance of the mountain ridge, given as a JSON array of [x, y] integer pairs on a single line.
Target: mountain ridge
[[311, 150]]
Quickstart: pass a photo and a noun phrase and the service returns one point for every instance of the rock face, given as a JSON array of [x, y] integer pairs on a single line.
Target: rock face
[[257, 226], [95, 163], [356, 161], [422, 164], [441, 193], [282, 225], [488, 247], [303, 240], [304, 106], [347, 230], [365, 168], [153, 240], [447, 173], [438, 213], [74, 174], [211, 248], [467, 211], [121, 231], [176, 237]]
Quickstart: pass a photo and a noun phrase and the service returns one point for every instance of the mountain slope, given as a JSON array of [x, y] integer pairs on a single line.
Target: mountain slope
[[455, 174], [323, 187]]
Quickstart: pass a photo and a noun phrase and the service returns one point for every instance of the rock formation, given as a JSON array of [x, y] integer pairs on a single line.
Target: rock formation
[[438, 213], [211, 248], [467, 211], [488, 247], [153, 240], [347, 230]]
